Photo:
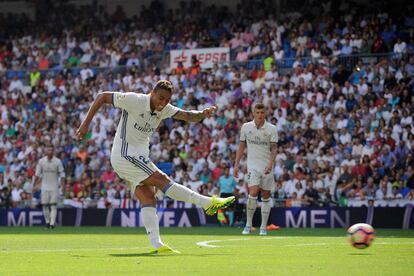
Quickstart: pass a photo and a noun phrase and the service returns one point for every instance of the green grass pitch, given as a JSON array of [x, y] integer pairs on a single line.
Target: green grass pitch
[[204, 251]]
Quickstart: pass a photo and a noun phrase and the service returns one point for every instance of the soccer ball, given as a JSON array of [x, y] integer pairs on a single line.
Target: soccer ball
[[361, 235]]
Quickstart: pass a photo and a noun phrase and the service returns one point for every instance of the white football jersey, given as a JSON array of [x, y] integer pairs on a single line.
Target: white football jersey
[[258, 144], [50, 171], [137, 124]]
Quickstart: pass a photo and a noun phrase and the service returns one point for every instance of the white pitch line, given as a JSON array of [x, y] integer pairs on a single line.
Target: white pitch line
[[67, 250], [392, 243], [207, 243]]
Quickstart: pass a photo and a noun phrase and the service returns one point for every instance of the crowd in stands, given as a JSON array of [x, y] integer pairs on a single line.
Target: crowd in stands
[[343, 132]]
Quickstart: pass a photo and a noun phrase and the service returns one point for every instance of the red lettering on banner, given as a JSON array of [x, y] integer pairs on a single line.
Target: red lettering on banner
[[182, 58], [201, 57], [216, 57], [208, 57]]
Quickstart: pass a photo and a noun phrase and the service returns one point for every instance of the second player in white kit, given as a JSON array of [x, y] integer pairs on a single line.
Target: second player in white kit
[[260, 138], [49, 169]]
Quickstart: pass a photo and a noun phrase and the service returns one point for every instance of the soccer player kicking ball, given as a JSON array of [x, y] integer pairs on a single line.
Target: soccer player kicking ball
[[260, 137], [141, 116]]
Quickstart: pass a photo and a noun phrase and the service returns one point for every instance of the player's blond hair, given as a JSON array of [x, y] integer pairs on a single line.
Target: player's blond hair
[[258, 106]]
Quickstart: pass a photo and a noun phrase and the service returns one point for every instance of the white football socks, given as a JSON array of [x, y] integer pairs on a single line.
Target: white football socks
[[46, 213], [180, 192], [250, 209], [53, 214], [266, 206], [149, 218]]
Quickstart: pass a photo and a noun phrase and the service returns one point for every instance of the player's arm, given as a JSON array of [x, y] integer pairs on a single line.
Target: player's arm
[[37, 178], [273, 148], [194, 115], [240, 150], [102, 98], [36, 184], [239, 154], [62, 176]]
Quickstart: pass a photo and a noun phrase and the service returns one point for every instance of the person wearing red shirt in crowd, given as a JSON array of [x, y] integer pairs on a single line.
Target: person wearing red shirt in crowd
[[376, 154], [378, 139], [390, 141], [180, 69], [109, 175], [216, 172], [43, 63], [366, 162], [359, 169], [82, 154], [379, 46], [246, 102], [195, 66], [254, 73], [76, 188]]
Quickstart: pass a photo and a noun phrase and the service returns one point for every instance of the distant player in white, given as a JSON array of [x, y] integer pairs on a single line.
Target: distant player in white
[[130, 152], [260, 137], [49, 169]]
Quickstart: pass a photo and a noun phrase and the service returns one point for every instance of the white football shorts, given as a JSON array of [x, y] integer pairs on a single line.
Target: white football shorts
[[264, 181], [48, 197], [133, 169]]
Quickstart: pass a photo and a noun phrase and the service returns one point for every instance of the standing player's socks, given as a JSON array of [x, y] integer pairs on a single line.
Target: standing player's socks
[[266, 206], [251, 208], [182, 193], [46, 213], [53, 214], [149, 218]]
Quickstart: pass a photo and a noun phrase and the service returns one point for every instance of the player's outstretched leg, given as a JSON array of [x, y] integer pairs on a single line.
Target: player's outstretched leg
[[250, 209], [179, 192], [210, 204]]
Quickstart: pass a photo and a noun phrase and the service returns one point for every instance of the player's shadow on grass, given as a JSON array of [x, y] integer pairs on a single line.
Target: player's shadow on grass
[[149, 254], [361, 254]]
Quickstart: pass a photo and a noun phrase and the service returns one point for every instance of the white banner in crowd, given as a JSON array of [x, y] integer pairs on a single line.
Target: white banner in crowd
[[206, 56]]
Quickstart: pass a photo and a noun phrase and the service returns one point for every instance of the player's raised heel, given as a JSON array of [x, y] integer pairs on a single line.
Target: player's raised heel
[[218, 203], [247, 230]]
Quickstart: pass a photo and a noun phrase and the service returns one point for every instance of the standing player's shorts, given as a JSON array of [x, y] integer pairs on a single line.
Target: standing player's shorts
[[224, 195], [133, 169], [48, 197], [264, 181]]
